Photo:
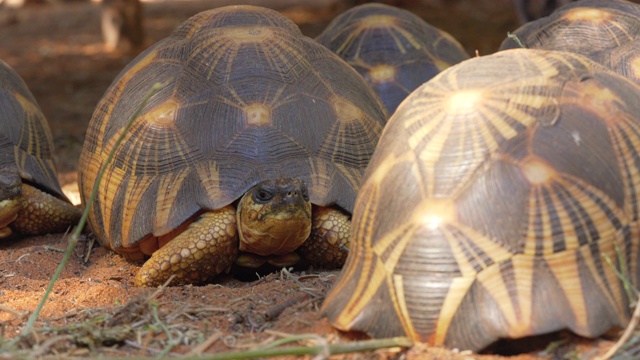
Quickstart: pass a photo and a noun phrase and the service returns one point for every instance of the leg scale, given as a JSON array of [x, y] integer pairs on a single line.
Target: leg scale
[[42, 213], [328, 244], [205, 249]]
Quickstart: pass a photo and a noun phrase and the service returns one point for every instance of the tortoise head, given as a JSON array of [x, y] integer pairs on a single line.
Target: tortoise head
[[274, 217], [10, 192]]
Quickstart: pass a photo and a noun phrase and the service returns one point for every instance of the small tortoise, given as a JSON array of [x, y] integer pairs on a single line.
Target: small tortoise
[[31, 201], [606, 31], [496, 194], [393, 49], [259, 136]]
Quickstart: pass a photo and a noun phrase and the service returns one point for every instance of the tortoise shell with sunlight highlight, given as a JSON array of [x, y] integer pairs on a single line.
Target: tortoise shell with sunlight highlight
[[31, 200], [26, 144], [497, 195], [393, 49], [606, 31], [245, 97]]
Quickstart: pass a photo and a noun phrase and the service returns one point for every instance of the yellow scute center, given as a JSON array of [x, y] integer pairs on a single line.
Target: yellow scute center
[[600, 100], [345, 110], [382, 73], [537, 171], [464, 101], [248, 34], [378, 21], [592, 15], [434, 213], [164, 114], [258, 115]]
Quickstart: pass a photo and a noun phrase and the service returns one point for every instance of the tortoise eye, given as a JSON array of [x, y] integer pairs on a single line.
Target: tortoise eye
[[305, 193], [262, 195]]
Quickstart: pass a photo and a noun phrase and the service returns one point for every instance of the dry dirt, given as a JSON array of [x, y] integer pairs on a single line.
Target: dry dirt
[[94, 308]]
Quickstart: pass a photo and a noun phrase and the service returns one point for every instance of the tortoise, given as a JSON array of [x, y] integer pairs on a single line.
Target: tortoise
[[256, 143], [31, 200], [606, 31], [496, 193], [393, 49]]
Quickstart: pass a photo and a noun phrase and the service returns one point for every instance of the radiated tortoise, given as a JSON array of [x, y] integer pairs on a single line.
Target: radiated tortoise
[[31, 200], [393, 49], [606, 31], [256, 142], [497, 195]]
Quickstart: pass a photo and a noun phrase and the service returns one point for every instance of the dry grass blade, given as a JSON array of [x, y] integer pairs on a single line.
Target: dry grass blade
[[206, 344], [16, 313], [324, 349], [515, 38], [275, 311], [626, 336], [632, 293]]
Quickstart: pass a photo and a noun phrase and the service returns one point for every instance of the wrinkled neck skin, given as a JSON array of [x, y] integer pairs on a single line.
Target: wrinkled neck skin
[[274, 217]]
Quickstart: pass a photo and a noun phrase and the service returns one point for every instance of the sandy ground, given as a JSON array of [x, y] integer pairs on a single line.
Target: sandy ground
[[94, 308]]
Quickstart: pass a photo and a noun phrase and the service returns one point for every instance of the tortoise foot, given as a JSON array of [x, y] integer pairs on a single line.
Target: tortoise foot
[[42, 213], [328, 244], [206, 248]]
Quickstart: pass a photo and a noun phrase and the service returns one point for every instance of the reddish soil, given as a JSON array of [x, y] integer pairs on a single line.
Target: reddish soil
[[94, 308]]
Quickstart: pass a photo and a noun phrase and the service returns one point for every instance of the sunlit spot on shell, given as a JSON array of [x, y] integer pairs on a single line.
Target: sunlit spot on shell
[[595, 16], [248, 34], [434, 213], [537, 171], [163, 115], [379, 21], [346, 111], [600, 100], [382, 73], [257, 115], [463, 101]]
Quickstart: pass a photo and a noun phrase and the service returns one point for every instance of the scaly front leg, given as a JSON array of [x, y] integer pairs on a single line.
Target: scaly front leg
[[205, 249], [327, 246]]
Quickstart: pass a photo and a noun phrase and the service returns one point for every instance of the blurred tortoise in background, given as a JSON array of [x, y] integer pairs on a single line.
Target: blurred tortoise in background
[[529, 10], [259, 136], [31, 200], [393, 49], [606, 31], [495, 193]]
